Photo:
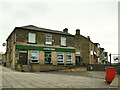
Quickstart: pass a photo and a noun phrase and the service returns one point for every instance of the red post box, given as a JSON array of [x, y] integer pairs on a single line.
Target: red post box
[[110, 74]]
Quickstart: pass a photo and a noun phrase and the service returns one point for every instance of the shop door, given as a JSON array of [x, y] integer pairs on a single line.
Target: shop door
[[23, 57], [48, 58]]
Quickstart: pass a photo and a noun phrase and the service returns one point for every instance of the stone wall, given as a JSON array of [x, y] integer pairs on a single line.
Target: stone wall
[[38, 67], [22, 36]]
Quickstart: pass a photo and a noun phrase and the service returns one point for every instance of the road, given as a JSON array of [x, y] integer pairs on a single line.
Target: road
[[15, 79]]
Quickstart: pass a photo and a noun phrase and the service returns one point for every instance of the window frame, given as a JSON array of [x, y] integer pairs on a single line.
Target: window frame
[[70, 60], [91, 52], [29, 37], [34, 52], [63, 41], [60, 53], [47, 42]]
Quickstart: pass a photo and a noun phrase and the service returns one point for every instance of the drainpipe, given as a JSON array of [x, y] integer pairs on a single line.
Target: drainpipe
[[110, 58]]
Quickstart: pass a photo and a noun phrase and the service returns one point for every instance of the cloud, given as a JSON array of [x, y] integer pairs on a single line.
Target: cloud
[[95, 19]]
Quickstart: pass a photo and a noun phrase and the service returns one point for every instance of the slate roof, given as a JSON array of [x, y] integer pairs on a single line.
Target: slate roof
[[32, 27]]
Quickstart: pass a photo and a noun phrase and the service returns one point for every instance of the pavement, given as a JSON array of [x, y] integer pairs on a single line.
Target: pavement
[[116, 81], [0, 77], [88, 79]]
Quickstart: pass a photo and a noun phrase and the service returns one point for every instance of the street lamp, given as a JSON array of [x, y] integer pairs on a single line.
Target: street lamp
[[4, 44]]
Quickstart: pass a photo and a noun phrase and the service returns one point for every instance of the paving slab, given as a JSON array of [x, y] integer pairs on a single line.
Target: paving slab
[[15, 79]]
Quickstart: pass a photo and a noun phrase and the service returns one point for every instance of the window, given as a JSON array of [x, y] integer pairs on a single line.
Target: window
[[91, 52], [95, 53], [69, 58], [34, 57], [48, 40], [48, 58], [63, 41], [32, 37], [60, 57], [98, 46]]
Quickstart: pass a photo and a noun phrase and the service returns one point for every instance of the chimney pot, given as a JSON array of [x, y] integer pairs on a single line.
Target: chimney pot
[[65, 30], [77, 31], [88, 37]]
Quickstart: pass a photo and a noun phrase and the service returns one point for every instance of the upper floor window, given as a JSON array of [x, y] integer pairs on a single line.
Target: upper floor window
[[32, 37], [91, 52], [63, 41], [48, 39]]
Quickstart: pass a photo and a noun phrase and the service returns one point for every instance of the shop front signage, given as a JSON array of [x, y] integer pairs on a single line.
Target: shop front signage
[[23, 51], [49, 49], [40, 48]]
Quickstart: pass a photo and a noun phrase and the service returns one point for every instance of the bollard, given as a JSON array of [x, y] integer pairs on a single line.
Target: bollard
[[110, 74]]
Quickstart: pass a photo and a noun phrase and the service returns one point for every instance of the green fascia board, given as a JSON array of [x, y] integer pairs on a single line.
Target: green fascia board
[[24, 47]]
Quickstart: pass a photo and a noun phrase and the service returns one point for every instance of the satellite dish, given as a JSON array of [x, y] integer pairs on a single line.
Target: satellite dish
[[4, 44]]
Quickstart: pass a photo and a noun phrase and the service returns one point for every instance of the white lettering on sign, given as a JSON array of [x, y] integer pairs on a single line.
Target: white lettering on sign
[[23, 51], [51, 49]]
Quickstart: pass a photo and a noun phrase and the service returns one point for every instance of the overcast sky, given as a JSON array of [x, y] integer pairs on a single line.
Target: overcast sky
[[95, 18]]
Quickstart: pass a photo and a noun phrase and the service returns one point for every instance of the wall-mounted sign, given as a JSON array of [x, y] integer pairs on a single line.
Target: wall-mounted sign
[[115, 58], [78, 53], [16, 55], [49, 49]]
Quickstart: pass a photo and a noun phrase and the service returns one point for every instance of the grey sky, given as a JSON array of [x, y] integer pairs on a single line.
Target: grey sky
[[95, 18]]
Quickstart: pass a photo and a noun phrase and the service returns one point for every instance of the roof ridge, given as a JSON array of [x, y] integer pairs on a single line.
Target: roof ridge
[[32, 27]]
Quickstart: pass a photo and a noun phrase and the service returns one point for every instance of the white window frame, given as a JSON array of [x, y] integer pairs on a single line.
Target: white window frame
[[47, 41], [60, 53], [63, 41], [95, 53], [91, 52], [34, 52], [68, 60], [98, 46], [32, 37]]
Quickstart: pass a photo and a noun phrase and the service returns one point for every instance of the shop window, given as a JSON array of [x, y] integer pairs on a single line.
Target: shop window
[[32, 37], [48, 39], [69, 58], [34, 57], [48, 57], [63, 41], [60, 57]]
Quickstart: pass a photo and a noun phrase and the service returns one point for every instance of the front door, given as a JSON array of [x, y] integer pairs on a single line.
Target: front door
[[77, 60], [23, 57], [48, 58]]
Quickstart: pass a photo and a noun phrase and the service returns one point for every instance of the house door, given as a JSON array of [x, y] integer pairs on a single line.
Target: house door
[[48, 58], [23, 57]]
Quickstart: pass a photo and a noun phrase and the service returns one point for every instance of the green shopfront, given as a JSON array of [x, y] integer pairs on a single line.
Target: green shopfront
[[45, 55]]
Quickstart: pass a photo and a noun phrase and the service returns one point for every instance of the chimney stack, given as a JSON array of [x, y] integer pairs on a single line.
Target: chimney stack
[[88, 37], [77, 31], [65, 30]]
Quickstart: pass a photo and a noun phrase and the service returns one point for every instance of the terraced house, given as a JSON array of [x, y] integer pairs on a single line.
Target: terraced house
[[39, 48]]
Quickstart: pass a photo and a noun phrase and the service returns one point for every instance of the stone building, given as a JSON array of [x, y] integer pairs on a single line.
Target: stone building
[[35, 46]]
